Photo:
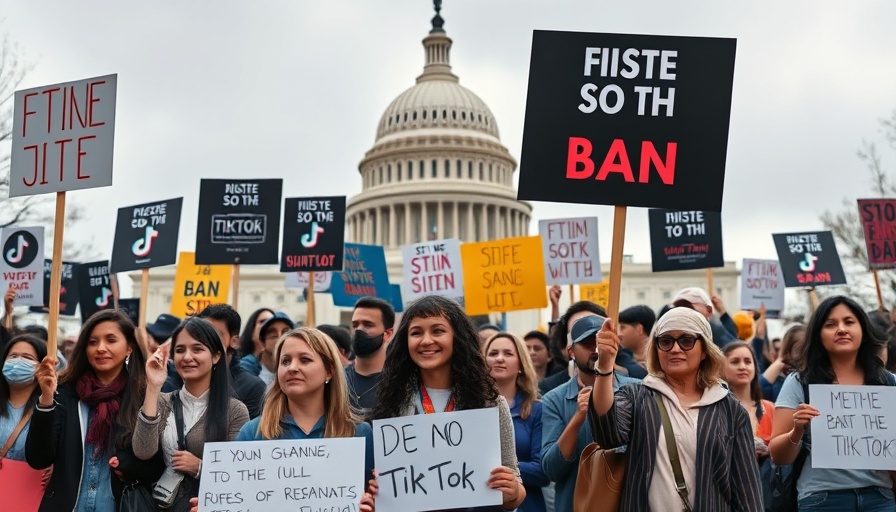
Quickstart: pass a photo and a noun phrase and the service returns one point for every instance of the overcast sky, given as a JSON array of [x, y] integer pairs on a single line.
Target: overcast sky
[[295, 89]]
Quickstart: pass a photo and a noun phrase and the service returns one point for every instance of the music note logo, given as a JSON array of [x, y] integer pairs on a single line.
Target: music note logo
[[103, 300], [809, 264], [16, 254], [20, 249], [142, 246], [310, 239]]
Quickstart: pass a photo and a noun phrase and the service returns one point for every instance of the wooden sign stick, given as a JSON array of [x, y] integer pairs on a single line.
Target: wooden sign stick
[[880, 295], [813, 300], [309, 301], [619, 213], [572, 294], [711, 289], [56, 274], [113, 282], [236, 285], [144, 297]]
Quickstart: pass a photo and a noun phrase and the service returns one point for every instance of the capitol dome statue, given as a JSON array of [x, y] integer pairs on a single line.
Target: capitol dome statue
[[437, 168]]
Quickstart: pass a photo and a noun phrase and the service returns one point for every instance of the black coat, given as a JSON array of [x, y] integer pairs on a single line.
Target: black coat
[[56, 438], [247, 388]]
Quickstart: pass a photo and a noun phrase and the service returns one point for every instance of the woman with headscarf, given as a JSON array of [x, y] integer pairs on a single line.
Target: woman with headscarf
[[712, 435]]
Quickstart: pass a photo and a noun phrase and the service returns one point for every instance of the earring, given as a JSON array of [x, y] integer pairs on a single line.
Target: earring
[[127, 360], [327, 381]]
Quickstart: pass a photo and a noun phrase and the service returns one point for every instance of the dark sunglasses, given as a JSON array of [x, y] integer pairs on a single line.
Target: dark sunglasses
[[685, 342]]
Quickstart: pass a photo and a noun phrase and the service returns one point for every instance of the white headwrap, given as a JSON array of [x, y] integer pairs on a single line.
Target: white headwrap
[[683, 319]]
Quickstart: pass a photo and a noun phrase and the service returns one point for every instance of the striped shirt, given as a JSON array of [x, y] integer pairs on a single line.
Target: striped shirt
[[727, 473]]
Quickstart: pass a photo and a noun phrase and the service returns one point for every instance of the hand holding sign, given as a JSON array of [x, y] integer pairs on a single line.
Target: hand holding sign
[[607, 346], [802, 416], [45, 374]]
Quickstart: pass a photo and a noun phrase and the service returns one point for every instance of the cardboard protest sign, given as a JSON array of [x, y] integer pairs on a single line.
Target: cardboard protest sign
[[22, 264], [68, 291], [856, 428], [198, 286], [313, 234], [287, 474], [94, 288], [397, 303], [432, 268], [322, 280], [146, 235], [503, 275], [809, 259], [426, 461], [596, 293], [570, 250], [364, 275], [878, 218], [239, 222], [761, 283], [628, 120], [63, 136], [685, 240]]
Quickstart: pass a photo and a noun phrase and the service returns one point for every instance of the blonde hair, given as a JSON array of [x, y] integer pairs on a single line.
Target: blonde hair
[[526, 380], [340, 418], [710, 371]]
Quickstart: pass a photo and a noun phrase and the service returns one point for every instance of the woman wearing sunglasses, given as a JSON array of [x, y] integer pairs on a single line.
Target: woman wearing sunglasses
[[712, 435]]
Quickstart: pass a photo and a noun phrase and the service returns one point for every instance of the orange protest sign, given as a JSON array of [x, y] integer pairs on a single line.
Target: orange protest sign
[[503, 275], [198, 286], [597, 293]]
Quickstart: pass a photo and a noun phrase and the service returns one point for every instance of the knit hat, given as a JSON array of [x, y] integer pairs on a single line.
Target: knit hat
[[744, 322]]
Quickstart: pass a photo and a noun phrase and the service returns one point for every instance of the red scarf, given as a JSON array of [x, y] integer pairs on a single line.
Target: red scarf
[[105, 400], [428, 408]]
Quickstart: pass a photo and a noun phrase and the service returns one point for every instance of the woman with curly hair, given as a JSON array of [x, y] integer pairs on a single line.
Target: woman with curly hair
[[434, 365], [772, 380]]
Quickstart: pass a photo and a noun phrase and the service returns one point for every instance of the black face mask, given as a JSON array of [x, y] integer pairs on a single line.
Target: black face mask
[[364, 345]]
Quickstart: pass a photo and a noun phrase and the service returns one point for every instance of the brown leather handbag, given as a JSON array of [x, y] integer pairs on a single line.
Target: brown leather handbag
[[600, 480]]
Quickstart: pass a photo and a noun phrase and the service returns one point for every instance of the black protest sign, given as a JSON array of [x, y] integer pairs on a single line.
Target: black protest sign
[[685, 240], [630, 120], [313, 234], [146, 235], [68, 291], [239, 222], [131, 308], [809, 259], [94, 287]]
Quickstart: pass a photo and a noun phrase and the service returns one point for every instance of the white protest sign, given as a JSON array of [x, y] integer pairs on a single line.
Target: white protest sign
[[436, 461], [285, 474], [432, 268], [570, 250], [856, 428], [762, 282], [22, 264], [300, 280], [63, 136]]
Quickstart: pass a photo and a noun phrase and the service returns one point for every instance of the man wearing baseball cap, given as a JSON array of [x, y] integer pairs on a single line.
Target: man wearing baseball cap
[[565, 431], [271, 331], [723, 331]]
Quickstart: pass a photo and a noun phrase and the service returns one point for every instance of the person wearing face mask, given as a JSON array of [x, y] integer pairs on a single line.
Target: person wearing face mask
[[18, 394], [372, 323]]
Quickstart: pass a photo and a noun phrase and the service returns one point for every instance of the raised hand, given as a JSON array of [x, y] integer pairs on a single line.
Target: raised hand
[[607, 346], [555, 292], [45, 373], [8, 298], [157, 368]]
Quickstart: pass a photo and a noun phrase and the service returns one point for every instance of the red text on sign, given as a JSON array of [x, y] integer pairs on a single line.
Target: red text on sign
[[580, 166]]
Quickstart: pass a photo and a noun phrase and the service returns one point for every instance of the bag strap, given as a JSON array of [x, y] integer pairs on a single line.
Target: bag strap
[[680, 485], [15, 433], [179, 420]]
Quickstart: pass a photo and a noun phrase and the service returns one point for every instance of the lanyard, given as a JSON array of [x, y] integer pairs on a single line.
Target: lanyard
[[427, 402]]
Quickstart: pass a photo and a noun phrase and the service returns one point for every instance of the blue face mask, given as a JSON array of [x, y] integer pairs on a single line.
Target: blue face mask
[[18, 371]]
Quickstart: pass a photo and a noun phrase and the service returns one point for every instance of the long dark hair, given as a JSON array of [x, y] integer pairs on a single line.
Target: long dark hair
[[247, 344], [134, 390], [818, 370], [471, 385], [217, 413], [755, 390], [40, 348]]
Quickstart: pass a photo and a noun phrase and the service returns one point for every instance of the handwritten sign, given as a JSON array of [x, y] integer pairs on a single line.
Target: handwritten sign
[[22, 264], [503, 275], [146, 235], [426, 461], [432, 268], [287, 474], [809, 259], [313, 234], [198, 286], [761, 283], [878, 218], [322, 280], [365, 275], [597, 293], [62, 137], [856, 428], [570, 250]]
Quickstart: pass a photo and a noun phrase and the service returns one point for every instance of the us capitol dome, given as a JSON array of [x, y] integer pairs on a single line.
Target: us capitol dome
[[437, 168]]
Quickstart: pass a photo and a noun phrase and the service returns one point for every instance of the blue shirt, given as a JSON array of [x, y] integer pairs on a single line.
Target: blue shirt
[[250, 432], [7, 425], [559, 406], [527, 435], [95, 494], [249, 363]]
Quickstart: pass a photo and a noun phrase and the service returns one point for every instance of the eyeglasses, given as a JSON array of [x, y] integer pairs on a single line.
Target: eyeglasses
[[685, 342]]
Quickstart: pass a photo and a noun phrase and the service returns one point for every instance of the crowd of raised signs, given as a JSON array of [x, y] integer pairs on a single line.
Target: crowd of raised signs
[[712, 413]]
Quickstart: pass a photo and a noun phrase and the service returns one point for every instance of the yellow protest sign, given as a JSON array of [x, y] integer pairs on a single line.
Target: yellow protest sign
[[596, 293], [503, 275], [198, 286]]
